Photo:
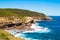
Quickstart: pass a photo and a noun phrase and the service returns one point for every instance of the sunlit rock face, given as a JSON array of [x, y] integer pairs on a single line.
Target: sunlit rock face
[[14, 22], [9, 19], [3, 19], [28, 19], [48, 18]]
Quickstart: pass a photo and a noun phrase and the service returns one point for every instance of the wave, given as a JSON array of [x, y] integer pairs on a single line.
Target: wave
[[31, 39], [22, 35], [38, 29]]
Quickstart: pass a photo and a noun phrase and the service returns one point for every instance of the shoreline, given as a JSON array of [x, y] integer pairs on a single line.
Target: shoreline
[[29, 27], [38, 29]]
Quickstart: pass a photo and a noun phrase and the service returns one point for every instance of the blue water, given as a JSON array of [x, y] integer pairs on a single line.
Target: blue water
[[54, 34]]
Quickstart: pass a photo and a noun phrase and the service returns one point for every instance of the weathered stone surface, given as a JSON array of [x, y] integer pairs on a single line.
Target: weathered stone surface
[[48, 18], [14, 22], [28, 19]]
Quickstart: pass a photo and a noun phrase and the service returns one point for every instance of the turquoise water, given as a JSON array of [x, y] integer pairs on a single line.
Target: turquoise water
[[53, 25], [44, 30]]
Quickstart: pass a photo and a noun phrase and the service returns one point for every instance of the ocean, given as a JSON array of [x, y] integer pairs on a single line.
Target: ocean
[[44, 30]]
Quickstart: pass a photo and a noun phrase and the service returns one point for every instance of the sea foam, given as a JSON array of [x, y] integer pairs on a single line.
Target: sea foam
[[38, 29]]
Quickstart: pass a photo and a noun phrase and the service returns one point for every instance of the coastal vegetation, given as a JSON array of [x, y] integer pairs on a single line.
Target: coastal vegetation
[[8, 12], [6, 36]]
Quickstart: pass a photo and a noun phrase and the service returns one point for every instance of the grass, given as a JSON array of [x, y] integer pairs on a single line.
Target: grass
[[21, 13], [6, 36]]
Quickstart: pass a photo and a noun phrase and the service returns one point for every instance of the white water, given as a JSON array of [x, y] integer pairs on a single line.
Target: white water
[[37, 29]]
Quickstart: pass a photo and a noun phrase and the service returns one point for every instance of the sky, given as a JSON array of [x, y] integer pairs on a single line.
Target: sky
[[48, 7]]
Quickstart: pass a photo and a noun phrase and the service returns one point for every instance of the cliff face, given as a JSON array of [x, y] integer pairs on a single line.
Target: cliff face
[[16, 16]]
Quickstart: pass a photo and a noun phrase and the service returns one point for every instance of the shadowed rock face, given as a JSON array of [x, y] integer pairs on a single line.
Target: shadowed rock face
[[8, 25], [18, 24], [12, 24], [32, 21], [23, 26]]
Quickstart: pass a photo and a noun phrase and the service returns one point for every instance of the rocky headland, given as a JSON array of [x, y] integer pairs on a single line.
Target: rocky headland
[[12, 19]]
